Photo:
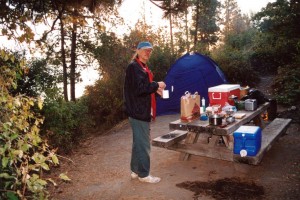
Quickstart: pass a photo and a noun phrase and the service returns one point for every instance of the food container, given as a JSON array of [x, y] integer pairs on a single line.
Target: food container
[[215, 120], [247, 140], [230, 119], [244, 91], [250, 104], [220, 94], [232, 99], [240, 105]]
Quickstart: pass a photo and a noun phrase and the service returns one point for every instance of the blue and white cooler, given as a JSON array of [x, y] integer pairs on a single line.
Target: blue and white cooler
[[247, 140]]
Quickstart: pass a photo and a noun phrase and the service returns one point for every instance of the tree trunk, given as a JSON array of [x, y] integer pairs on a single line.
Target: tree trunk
[[73, 61], [63, 57], [171, 30], [196, 25], [187, 30]]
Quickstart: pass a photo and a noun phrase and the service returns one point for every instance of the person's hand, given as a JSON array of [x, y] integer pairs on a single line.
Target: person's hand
[[161, 85], [159, 91]]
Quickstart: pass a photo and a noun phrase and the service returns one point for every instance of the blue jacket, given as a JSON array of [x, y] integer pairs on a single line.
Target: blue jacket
[[137, 92]]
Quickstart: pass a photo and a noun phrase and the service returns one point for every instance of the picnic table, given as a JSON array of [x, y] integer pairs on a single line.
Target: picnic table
[[202, 139]]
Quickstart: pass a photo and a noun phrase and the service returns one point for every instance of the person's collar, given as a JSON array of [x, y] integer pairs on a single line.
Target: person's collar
[[137, 58]]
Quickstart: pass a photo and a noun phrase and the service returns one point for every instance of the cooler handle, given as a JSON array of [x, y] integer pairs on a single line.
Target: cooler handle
[[213, 95]]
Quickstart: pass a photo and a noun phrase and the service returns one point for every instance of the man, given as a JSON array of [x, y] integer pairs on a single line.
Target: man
[[139, 97]]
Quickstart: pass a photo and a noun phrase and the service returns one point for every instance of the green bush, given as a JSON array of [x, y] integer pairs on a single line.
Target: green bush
[[105, 103], [287, 84], [24, 155], [235, 65], [65, 123]]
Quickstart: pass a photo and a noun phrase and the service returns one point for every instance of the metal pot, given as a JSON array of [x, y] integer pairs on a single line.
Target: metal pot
[[215, 120]]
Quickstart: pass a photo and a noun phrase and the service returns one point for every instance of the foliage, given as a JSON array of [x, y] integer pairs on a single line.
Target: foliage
[[234, 58], [61, 125], [105, 104], [232, 19], [65, 123], [161, 60], [171, 6], [23, 153], [39, 80], [279, 47], [205, 24], [68, 24], [287, 85], [105, 98]]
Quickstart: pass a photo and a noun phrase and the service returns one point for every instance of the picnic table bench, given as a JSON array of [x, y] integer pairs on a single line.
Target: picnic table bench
[[201, 139]]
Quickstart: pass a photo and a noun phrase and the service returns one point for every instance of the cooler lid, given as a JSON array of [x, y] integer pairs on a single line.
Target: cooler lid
[[224, 88], [247, 129]]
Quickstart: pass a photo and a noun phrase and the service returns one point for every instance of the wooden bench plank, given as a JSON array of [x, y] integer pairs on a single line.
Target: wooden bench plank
[[204, 150], [169, 138], [269, 135]]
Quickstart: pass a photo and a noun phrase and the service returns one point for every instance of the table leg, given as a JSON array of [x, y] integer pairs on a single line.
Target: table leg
[[191, 138], [228, 140], [258, 121], [213, 140]]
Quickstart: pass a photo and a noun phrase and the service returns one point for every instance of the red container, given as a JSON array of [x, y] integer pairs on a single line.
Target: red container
[[220, 94]]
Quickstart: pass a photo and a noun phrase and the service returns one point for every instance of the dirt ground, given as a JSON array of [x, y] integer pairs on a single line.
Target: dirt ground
[[99, 169]]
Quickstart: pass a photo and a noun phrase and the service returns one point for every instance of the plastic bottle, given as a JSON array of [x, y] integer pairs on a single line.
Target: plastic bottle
[[203, 103]]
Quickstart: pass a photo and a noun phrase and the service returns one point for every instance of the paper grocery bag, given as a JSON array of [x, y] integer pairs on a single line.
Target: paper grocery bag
[[189, 106]]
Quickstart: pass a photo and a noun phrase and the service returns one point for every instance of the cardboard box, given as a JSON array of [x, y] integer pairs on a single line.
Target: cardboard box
[[247, 140], [220, 94]]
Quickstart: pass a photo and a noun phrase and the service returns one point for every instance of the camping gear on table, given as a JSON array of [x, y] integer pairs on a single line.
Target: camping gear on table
[[250, 104], [261, 99], [256, 94], [247, 140], [189, 106], [192, 72], [232, 99], [240, 105], [230, 119], [221, 94], [203, 117], [244, 91], [215, 120]]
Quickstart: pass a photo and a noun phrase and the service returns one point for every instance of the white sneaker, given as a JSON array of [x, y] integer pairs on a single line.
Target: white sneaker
[[134, 175], [150, 179]]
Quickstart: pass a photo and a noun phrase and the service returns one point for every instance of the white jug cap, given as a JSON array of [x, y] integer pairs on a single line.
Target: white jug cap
[[243, 153]]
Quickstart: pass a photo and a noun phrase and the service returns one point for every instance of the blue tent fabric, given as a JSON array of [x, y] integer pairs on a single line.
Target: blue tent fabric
[[192, 72]]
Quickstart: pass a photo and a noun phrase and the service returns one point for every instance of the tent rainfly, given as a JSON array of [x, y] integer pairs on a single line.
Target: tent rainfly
[[192, 72]]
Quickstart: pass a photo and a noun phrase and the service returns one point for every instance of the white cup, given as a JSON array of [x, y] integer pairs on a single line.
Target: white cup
[[165, 94]]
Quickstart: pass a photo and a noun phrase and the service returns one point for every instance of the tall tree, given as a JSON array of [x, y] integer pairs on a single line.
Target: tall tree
[[171, 9], [74, 24], [232, 19], [205, 17], [72, 16]]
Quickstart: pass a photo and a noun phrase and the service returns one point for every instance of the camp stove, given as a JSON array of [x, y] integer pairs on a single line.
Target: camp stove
[[250, 104]]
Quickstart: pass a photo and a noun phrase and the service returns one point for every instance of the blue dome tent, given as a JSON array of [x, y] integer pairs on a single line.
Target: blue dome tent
[[192, 72]]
